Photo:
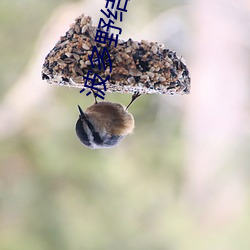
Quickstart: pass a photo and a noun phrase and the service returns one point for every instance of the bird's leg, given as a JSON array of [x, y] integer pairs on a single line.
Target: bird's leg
[[94, 96], [134, 97]]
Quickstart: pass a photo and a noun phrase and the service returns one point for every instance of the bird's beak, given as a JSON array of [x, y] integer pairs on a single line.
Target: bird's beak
[[82, 115]]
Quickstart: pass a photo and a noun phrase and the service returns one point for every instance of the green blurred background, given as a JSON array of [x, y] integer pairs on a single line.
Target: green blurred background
[[180, 182]]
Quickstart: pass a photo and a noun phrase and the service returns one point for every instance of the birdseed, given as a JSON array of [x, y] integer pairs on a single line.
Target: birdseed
[[144, 67]]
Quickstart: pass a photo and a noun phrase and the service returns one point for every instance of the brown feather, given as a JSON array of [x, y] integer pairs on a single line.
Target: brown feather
[[111, 117]]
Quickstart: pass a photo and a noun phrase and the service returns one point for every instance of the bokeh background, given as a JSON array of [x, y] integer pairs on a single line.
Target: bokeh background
[[180, 182]]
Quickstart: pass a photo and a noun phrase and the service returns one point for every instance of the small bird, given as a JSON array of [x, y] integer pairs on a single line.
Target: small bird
[[104, 124]]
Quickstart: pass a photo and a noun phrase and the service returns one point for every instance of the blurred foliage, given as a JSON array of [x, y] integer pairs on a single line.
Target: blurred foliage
[[20, 23]]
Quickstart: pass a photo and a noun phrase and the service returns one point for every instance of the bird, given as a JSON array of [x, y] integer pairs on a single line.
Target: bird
[[104, 124]]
